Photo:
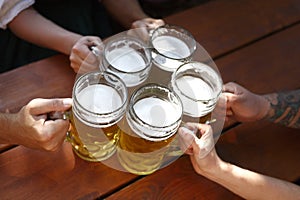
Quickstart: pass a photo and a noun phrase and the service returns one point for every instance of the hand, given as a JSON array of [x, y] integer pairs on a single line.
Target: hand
[[243, 105], [201, 150], [144, 26], [81, 57], [149, 23], [33, 128]]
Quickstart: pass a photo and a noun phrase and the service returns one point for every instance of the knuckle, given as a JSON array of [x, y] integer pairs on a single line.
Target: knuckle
[[57, 104], [75, 49]]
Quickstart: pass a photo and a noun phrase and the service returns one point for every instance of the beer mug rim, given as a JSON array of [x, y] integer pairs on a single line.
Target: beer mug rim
[[101, 73], [178, 29], [126, 39], [198, 65], [150, 85]]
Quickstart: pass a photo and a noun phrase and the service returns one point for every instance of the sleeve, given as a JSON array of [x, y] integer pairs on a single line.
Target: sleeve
[[9, 9]]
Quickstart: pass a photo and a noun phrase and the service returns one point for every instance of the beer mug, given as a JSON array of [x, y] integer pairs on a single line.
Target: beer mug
[[153, 115], [129, 58], [99, 102], [198, 86], [171, 47]]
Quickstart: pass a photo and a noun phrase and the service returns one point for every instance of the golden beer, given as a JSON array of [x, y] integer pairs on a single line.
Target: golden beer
[[141, 156], [99, 102], [92, 143], [153, 117]]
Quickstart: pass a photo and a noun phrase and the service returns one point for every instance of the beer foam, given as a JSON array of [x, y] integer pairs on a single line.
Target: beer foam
[[195, 88], [191, 90], [157, 112], [99, 98], [126, 59], [171, 47]]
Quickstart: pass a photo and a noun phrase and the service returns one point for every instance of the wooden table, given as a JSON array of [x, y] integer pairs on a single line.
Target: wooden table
[[255, 43]]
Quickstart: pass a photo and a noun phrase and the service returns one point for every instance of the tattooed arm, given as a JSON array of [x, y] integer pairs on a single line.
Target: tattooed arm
[[285, 108], [243, 105]]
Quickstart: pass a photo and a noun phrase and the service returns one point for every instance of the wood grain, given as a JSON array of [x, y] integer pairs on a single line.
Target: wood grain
[[32, 174], [223, 26], [255, 43]]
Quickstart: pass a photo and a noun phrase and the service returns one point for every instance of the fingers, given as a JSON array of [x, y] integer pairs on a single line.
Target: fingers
[[82, 55], [234, 88], [231, 91], [42, 106], [230, 87], [55, 134], [141, 28], [186, 138], [82, 66], [150, 23], [230, 99], [191, 144]]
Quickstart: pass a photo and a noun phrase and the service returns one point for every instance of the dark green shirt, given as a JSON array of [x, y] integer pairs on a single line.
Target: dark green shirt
[[86, 17]]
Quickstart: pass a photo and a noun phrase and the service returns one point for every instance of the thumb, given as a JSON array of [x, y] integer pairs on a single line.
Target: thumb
[[42, 106], [187, 140], [206, 143], [231, 87], [198, 146], [230, 99]]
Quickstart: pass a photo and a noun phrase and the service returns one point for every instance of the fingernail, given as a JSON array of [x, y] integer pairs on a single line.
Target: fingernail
[[67, 102]]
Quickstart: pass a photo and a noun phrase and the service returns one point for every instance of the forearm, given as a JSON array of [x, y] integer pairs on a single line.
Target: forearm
[[251, 185], [284, 108], [125, 11], [34, 28]]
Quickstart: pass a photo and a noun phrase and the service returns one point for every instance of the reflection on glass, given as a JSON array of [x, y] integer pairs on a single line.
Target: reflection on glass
[[172, 46], [198, 86], [99, 102], [128, 58], [154, 115]]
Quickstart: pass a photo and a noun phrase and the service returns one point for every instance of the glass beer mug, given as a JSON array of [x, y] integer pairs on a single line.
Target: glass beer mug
[[153, 116], [171, 47], [99, 102], [127, 57], [199, 87]]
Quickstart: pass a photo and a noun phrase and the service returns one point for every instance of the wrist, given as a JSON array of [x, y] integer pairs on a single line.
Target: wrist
[[215, 171], [268, 99], [213, 166], [263, 105], [71, 39]]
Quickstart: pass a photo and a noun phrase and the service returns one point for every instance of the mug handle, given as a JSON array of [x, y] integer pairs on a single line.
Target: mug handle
[[65, 115], [174, 149]]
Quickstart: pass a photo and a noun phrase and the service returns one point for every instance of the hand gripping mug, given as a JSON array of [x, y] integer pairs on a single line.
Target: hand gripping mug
[[153, 115], [99, 102]]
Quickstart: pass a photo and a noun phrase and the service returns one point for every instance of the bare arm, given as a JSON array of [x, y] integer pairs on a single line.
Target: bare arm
[[245, 183], [33, 27], [252, 185], [31, 128]]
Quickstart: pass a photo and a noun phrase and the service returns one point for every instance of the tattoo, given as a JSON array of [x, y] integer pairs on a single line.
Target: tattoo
[[285, 108]]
